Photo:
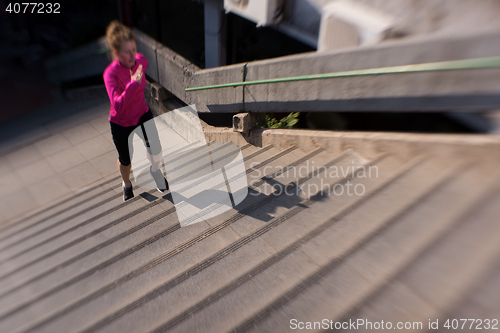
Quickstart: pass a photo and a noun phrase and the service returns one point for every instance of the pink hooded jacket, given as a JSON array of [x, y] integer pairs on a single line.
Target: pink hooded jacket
[[126, 95]]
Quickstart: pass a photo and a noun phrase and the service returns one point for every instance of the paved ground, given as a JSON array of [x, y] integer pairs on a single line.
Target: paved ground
[[53, 153]]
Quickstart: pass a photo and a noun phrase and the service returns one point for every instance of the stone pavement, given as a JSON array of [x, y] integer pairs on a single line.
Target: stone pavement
[[52, 154]]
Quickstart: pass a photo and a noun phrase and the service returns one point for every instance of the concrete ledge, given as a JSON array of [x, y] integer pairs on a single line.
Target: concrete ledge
[[166, 67], [483, 148], [440, 91], [242, 123], [157, 92], [185, 123], [148, 47], [245, 122], [174, 114]]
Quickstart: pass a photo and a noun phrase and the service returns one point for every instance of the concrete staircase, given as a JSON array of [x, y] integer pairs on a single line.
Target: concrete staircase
[[319, 236]]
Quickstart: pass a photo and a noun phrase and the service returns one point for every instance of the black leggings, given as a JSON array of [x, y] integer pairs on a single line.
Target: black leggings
[[123, 140]]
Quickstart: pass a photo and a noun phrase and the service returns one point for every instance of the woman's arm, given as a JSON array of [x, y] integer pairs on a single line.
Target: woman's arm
[[118, 97]]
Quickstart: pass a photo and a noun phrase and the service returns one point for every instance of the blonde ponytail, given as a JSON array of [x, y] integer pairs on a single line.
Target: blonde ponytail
[[117, 34]]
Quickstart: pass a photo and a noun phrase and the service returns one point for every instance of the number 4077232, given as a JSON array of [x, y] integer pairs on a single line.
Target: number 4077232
[[471, 324], [33, 8]]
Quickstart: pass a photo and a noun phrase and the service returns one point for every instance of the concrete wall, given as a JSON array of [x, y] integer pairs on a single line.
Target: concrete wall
[[417, 18], [459, 90], [414, 18]]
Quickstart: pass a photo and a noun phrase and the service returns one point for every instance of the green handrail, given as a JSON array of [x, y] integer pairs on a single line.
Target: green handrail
[[478, 63]]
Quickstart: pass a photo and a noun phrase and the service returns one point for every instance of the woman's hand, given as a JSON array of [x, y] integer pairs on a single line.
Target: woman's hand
[[137, 76]]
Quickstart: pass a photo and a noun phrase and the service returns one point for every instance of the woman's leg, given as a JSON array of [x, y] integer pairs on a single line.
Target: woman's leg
[[125, 173], [121, 138]]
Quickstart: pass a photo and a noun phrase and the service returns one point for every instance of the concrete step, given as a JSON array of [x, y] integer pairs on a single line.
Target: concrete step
[[215, 271], [355, 279], [90, 193], [217, 239], [113, 231], [256, 155], [110, 204], [481, 299], [290, 194], [61, 253], [71, 229], [288, 266], [435, 284], [73, 205], [53, 210]]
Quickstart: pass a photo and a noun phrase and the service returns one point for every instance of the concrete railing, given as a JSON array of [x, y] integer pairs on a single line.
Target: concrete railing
[[455, 90]]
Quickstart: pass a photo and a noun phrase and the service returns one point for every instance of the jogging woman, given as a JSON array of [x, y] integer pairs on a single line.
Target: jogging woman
[[125, 83]]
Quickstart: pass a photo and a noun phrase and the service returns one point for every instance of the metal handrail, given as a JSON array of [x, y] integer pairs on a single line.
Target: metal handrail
[[478, 63]]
